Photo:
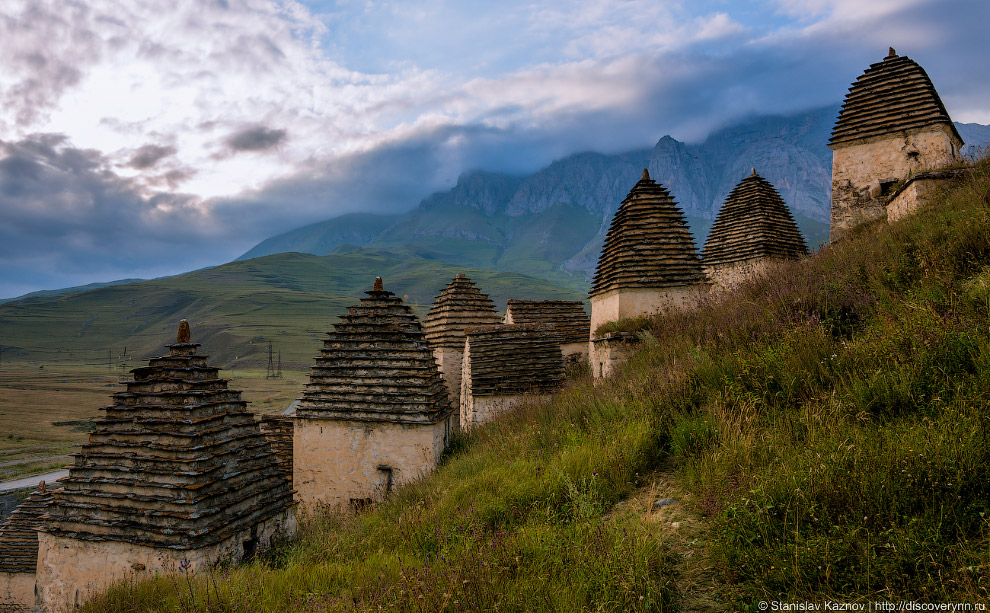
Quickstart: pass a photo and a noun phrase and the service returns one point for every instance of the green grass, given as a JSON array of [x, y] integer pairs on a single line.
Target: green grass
[[291, 299], [828, 423]]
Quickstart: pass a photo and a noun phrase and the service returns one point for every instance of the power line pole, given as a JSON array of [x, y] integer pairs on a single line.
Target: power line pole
[[279, 363], [270, 373]]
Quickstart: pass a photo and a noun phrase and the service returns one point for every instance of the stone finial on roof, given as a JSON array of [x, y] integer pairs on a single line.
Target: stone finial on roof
[[891, 53], [646, 175], [177, 462], [378, 287], [184, 335], [41, 485], [891, 96], [754, 222], [648, 244], [376, 367], [460, 305], [753, 174]]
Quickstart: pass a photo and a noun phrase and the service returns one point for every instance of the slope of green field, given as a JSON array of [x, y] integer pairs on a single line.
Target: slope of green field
[[235, 309], [822, 431]]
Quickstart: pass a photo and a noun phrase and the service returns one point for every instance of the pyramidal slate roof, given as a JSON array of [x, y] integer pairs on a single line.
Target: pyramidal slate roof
[[19, 536], [568, 317], [893, 95], [514, 359], [754, 222], [460, 305], [376, 366], [177, 462], [648, 244]]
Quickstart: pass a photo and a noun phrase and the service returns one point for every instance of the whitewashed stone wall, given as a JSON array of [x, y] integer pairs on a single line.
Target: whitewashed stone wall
[[71, 571], [860, 169], [341, 464]]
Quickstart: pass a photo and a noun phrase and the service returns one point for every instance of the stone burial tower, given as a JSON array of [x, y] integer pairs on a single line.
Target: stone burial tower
[[505, 363], [460, 305], [176, 476], [568, 317], [648, 265], [892, 127], [375, 411], [19, 552], [753, 229]]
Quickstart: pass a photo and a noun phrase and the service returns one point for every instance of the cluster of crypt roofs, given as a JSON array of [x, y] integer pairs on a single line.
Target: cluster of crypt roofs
[[179, 474]]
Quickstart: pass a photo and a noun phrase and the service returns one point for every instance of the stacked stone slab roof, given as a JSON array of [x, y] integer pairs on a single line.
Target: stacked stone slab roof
[[278, 431], [460, 305], [753, 223], [891, 96], [177, 462], [509, 359], [19, 536], [376, 366], [648, 244], [568, 317]]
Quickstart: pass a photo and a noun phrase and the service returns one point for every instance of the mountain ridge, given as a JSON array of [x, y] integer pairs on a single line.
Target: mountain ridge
[[483, 217]]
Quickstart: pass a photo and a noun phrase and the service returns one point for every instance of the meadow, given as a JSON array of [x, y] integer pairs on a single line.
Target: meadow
[[822, 430]]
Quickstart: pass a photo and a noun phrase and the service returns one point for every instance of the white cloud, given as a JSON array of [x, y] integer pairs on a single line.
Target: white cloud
[[249, 105]]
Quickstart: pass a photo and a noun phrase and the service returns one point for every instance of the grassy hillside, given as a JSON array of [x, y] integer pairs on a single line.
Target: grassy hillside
[[291, 299], [823, 431], [323, 237]]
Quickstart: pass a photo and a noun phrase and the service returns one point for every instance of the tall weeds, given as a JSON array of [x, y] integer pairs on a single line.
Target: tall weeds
[[830, 420]]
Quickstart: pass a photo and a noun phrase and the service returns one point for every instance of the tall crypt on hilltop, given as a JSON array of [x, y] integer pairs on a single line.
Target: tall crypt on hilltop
[[892, 130], [753, 229], [375, 412], [648, 264], [459, 306], [176, 477]]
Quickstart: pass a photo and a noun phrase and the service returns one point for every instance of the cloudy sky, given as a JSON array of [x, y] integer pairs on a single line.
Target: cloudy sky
[[140, 138]]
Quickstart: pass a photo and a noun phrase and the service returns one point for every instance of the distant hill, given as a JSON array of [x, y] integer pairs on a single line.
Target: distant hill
[[234, 309], [70, 290], [323, 237]]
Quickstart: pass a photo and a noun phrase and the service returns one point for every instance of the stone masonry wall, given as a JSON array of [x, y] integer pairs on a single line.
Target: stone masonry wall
[[71, 571], [343, 464], [16, 592], [730, 275], [859, 169], [608, 353], [618, 304], [449, 361]]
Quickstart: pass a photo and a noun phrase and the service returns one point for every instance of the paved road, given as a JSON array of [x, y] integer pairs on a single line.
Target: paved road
[[48, 478]]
